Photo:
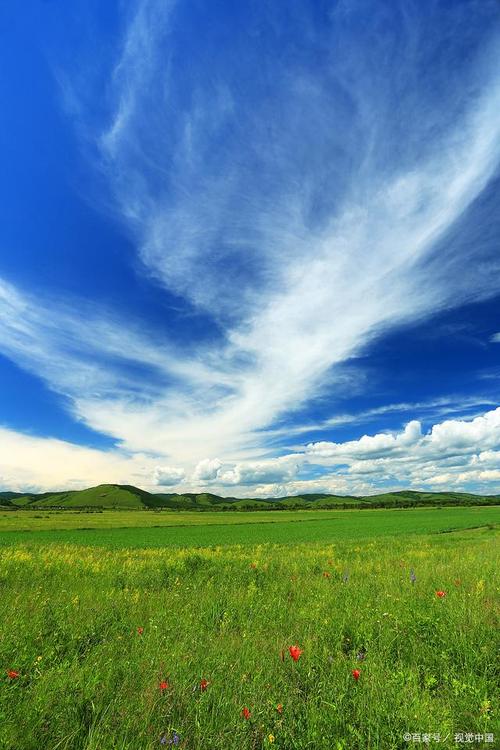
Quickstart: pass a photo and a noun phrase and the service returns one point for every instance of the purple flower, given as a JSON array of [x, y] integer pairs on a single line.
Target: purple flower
[[413, 577], [175, 739], [163, 739]]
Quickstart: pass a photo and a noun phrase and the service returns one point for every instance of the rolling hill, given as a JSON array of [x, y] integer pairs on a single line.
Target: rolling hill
[[126, 497]]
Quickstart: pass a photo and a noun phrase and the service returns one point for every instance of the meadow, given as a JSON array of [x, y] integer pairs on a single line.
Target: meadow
[[179, 635], [121, 528]]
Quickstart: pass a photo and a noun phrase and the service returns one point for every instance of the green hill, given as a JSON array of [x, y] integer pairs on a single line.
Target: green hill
[[116, 496], [102, 496]]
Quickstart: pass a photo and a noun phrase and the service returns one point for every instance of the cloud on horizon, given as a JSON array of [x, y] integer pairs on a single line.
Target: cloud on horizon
[[454, 454]]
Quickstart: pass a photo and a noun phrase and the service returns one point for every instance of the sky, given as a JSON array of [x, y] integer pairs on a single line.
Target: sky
[[250, 248]]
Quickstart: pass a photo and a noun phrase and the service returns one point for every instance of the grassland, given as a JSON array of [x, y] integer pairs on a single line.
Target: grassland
[[338, 586], [115, 529]]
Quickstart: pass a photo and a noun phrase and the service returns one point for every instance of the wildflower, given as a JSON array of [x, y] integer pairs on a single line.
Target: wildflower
[[440, 594], [326, 574], [271, 738], [485, 707], [246, 713], [175, 739], [295, 652], [163, 739], [345, 577], [356, 674], [279, 708], [12, 675], [140, 630], [203, 685], [164, 685], [361, 655], [413, 577]]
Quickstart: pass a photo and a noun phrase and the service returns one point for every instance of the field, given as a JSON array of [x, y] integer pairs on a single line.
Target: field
[[111, 632]]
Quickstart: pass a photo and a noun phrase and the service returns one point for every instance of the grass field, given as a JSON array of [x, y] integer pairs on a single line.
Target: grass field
[[149, 529], [108, 634]]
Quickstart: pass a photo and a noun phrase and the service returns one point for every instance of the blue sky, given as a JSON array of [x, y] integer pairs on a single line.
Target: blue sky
[[250, 248]]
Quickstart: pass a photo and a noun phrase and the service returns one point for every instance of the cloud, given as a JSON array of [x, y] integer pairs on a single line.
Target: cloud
[[31, 463], [459, 453], [375, 445], [302, 204], [495, 339], [248, 474], [295, 198], [168, 476], [453, 454], [207, 469]]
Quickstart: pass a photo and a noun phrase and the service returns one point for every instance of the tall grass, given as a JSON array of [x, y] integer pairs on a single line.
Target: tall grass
[[89, 679]]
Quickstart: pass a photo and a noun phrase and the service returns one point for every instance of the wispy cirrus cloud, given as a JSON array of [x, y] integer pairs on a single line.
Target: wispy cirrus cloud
[[237, 204], [302, 203]]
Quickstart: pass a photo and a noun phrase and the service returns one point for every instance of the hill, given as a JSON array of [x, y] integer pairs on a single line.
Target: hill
[[115, 496]]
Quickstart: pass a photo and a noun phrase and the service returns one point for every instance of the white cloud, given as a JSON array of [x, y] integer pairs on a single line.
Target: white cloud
[[41, 464], [168, 476], [207, 469], [457, 453], [495, 339], [480, 433], [246, 474], [341, 239], [375, 445]]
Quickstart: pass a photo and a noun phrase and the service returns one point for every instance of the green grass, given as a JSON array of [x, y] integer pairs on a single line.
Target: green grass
[[204, 530], [32, 520], [69, 613]]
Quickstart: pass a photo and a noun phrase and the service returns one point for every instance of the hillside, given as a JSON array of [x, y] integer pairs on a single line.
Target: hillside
[[115, 496]]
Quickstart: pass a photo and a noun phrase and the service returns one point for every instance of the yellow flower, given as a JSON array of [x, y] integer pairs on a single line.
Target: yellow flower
[[271, 738]]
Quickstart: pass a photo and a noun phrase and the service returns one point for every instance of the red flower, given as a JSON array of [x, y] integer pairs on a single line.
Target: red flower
[[164, 685], [140, 630], [356, 674], [279, 708], [295, 652], [246, 713], [12, 675], [440, 594], [326, 574], [203, 685]]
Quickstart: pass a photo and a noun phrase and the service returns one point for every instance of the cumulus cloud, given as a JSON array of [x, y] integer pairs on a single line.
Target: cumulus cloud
[[460, 453], [207, 469], [247, 474], [168, 476], [495, 339], [368, 445]]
